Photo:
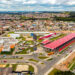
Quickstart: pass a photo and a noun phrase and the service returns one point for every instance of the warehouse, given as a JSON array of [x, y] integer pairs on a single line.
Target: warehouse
[[45, 42], [62, 43]]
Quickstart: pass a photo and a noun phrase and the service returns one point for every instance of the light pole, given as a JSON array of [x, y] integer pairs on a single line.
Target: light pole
[[1, 61]]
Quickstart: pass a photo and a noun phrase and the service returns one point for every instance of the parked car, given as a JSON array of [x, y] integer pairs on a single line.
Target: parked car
[[4, 61]]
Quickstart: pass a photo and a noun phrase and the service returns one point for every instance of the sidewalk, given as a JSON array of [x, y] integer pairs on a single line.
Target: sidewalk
[[63, 59]]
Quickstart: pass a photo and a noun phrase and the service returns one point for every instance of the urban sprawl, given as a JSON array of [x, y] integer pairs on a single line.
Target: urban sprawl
[[37, 43]]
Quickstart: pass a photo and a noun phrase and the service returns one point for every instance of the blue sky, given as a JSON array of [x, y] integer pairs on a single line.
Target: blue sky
[[37, 5]]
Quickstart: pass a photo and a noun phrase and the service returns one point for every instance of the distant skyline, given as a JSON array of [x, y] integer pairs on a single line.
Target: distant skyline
[[37, 5]]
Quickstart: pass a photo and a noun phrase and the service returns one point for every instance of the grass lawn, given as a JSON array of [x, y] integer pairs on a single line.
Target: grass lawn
[[49, 59], [39, 41], [53, 72], [58, 72], [42, 63], [33, 60], [31, 68], [20, 41], [24, 51], [13, 58], [11, 32], [7, 65], [29, 42], [14, 66], [40, 54], [42, 57], [60, 36], [72, 65]]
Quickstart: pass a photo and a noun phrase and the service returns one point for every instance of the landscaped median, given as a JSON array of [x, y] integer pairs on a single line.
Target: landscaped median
[[42, 57], [49, 59], [13, 58], [33, 60]]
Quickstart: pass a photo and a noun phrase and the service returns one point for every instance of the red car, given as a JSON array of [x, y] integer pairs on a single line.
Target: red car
[[4, 61]]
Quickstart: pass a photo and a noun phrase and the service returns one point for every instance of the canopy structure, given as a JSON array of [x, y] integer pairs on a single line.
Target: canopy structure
[[60, 42], [47, 36], [46, 42]]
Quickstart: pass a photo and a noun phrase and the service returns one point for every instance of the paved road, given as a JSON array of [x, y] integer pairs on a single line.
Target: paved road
[[42, 68]]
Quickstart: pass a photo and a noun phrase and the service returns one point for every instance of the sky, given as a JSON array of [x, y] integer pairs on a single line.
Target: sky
[[37, 5]]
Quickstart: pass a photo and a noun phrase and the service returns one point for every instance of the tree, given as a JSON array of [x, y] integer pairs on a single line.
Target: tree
[[64, 73]]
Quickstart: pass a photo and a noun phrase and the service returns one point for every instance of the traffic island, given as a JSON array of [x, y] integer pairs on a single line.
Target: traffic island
[[42, 57], [33, 60]]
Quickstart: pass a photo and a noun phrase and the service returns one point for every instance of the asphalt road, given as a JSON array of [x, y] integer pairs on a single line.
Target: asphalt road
[[42, 68]]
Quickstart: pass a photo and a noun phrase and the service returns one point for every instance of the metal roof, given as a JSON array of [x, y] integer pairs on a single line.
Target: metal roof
[[59, 42]]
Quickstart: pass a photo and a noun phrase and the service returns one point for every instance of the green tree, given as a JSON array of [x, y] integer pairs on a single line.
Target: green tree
[[64, 73]]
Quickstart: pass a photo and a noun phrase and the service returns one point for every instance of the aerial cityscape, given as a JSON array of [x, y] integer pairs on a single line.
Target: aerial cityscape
[[37, 37]]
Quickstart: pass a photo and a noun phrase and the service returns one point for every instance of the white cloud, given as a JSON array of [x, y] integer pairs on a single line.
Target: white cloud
[[57, 2], [71, 3], [37, 5], [30, 2], [49, 1]]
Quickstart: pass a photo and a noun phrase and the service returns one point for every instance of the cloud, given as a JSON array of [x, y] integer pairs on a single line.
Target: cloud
[[37, 5], [30, 2], [71, 2], [49, 1]]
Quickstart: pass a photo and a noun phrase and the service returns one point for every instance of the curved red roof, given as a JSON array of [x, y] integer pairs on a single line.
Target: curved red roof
[[59, 42], [46, 41]]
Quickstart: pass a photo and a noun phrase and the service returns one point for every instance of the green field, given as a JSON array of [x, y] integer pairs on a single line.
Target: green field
[[60, 36]]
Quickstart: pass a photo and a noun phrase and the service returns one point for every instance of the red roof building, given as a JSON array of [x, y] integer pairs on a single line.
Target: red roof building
[[46, 42], [47, 36], [60, 42]]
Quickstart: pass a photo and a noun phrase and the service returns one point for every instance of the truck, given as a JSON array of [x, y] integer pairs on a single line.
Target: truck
[[51, 53]]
